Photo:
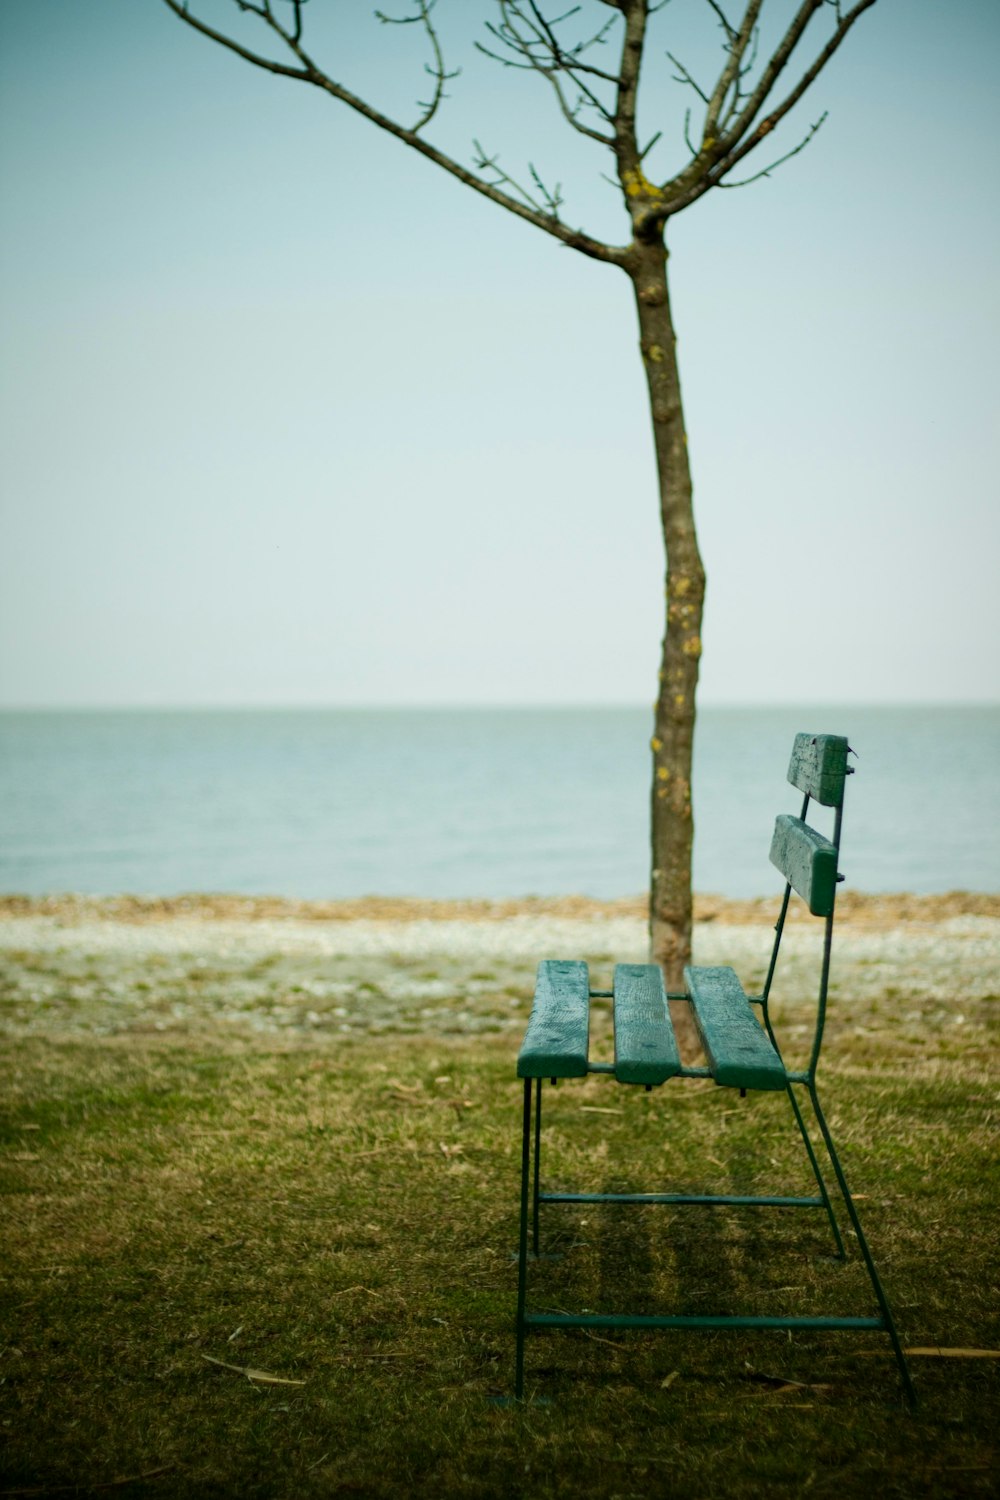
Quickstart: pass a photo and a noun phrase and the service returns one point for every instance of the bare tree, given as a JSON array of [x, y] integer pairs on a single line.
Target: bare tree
[[592, 57]]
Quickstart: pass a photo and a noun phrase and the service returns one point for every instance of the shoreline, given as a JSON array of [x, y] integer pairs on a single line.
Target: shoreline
[[854, 908]]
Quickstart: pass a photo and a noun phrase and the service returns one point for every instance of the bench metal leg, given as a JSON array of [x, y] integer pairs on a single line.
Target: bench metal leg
[[803, 1132], [797, 1111], [522, 1253], [880, 1297], [538, 1167]]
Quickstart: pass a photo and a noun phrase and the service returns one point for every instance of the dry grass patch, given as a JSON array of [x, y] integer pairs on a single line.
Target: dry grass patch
[[249, 1254], [345, 1220]]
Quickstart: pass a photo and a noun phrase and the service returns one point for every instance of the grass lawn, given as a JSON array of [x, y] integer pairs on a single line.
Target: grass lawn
[[339, 1216]]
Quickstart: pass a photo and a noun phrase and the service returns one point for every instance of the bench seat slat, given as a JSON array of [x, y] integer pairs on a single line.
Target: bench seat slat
[[645, 1045], [808, 862], [738, 1048], [557, 1040]]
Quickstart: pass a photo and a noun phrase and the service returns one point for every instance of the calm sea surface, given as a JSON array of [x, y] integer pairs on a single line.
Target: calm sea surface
[[471, 802]]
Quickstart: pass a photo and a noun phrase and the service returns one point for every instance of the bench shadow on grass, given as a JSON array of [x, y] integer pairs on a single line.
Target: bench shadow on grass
[[696, 1260], [634, 1259]]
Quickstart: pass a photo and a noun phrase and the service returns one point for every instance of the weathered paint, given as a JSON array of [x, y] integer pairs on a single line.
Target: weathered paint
[[808, 862], [557, 1040], [738, 1049], [819, 766], [645, 1045]]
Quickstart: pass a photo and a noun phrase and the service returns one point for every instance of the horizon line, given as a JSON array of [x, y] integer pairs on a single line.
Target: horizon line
[[455, 706]]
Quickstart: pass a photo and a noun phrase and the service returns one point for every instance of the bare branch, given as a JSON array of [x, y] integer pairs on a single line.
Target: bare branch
[[731, 73], [560, 62], [528, 36], [777, 115], [685, 77], [541, 50], [521, 48], [573, 115], [570, 61], [553, 200], [179, 8], [437, 70], [724, 21], [687, 135], [766, 171], [633, 44], [743, 71], [505, 62], [775, 66], [649, 145], [717, 158], [485, 163], [310, 73], [536, 48], [598, 39]]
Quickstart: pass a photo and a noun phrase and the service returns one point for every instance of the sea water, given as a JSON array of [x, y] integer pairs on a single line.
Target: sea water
[[471, 802]]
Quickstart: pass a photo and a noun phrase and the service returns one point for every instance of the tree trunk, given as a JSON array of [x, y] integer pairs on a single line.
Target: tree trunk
[[673, 738]]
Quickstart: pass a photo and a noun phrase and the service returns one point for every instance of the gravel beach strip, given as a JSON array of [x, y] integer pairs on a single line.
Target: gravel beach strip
[[72, 965]]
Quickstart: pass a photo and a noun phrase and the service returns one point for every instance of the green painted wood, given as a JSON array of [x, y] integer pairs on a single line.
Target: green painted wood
[[645, 1045], [557, 1040], [819, 766], [696, 1320], [738, 1049], [808, 862]]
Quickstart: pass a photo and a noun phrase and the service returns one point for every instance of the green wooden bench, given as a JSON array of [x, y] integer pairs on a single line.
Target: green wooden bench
[[741, 1052]]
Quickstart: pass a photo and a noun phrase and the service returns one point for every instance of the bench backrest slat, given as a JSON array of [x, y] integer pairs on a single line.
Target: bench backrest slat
[[557, 1040], [808, 862], [819, 767], [645, 1045]]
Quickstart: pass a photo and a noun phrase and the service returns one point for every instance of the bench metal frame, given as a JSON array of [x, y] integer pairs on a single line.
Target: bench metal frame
[[556, 1046]]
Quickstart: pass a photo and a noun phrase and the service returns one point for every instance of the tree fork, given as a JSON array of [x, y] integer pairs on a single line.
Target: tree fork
[[672, 831]]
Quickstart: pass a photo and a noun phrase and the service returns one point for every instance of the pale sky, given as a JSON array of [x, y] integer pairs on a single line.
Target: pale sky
[[289, 416]]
